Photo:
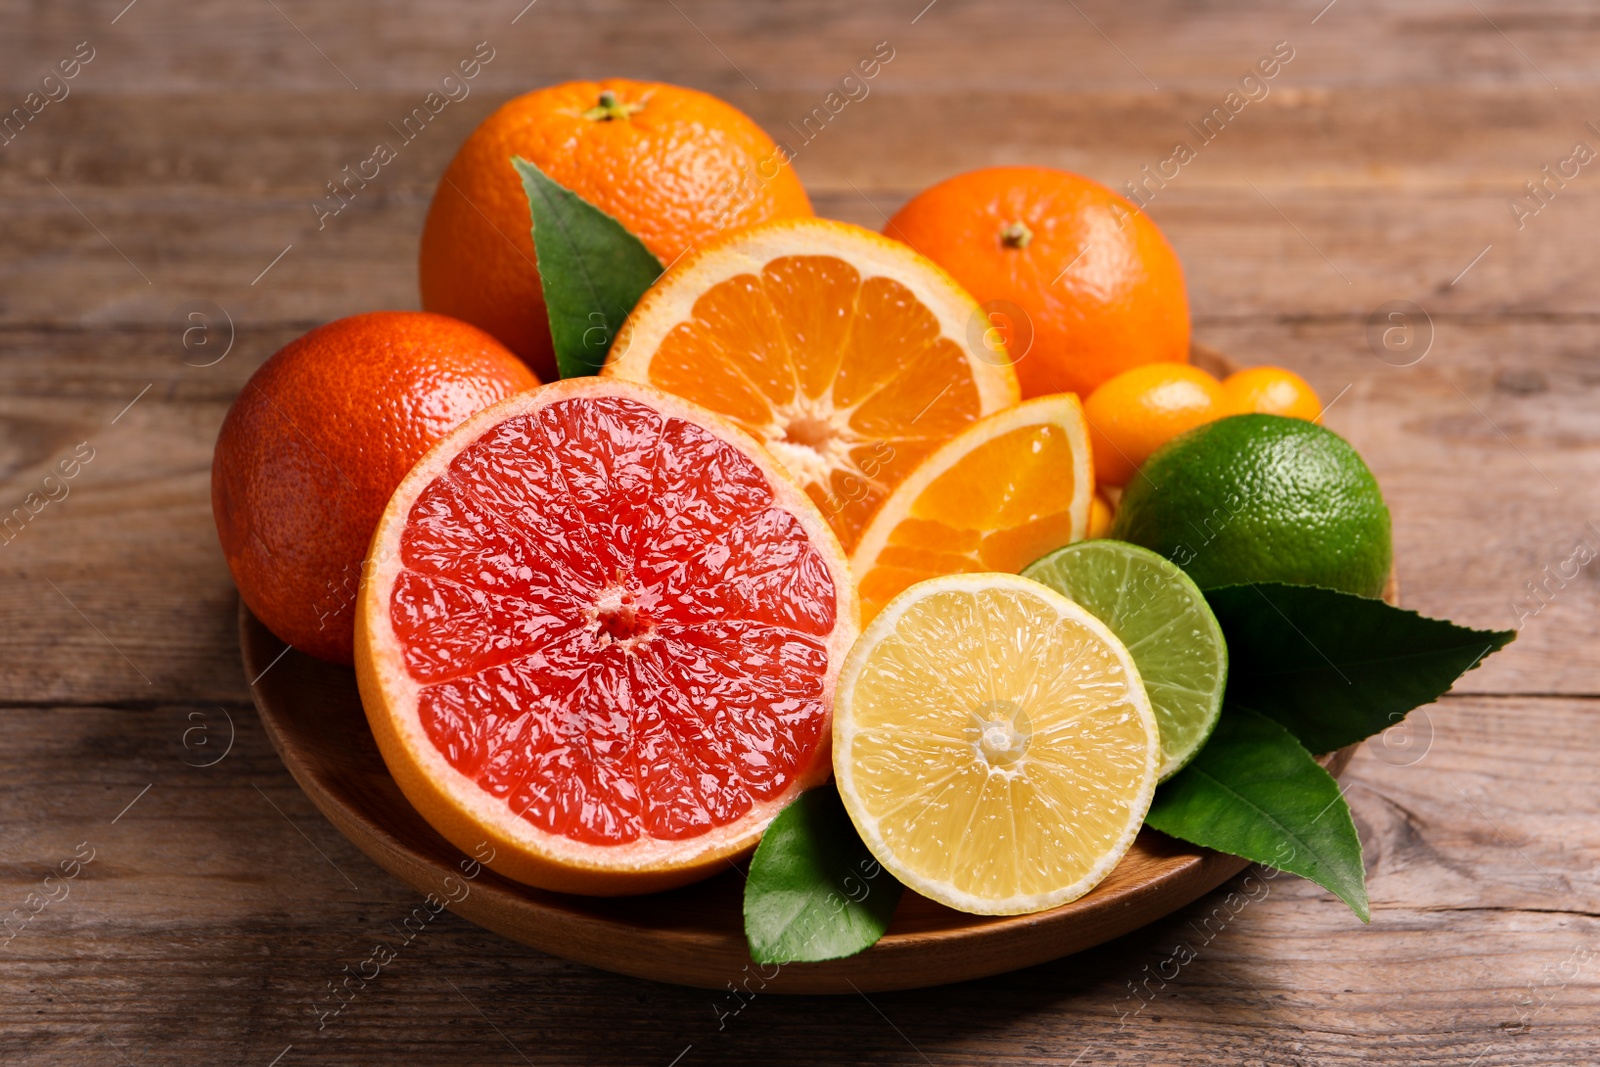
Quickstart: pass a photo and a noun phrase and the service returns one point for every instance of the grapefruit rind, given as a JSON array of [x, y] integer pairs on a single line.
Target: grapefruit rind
[[456, 805]]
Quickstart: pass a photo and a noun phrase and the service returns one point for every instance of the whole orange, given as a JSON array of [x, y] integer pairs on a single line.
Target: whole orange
[[1142, 409], [315, 445], [1271, 391], [1101, 288], [673, 165]]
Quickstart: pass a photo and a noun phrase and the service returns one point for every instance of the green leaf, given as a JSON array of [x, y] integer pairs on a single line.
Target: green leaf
[[592, 269], [1334, 667], [1254, 791], [814, 891]]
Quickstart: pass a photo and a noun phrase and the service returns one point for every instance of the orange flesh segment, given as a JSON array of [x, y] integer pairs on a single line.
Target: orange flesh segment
[[848, 379], [998, 508]]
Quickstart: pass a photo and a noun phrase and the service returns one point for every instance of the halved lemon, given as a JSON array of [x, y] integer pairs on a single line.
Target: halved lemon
[[997, 496], [845, 352], [993, 744]]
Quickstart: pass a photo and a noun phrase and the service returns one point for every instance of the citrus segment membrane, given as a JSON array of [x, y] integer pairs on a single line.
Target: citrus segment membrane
[[993, 744], [837, 348], [615, 629]]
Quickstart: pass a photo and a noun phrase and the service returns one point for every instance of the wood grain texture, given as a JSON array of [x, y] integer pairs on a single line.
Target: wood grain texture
[[220, 905], [217, 909]]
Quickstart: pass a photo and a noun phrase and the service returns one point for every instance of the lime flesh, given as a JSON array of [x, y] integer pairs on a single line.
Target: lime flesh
[[1159, 613]]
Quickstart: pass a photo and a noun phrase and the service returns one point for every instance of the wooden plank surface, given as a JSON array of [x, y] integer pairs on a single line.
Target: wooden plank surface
[[1378, 169]]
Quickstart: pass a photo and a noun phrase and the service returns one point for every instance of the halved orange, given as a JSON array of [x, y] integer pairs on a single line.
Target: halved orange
[[996, 497], [601, 631], [849, 355]]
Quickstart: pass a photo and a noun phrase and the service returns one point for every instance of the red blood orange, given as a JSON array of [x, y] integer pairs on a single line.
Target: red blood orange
[[601, 630]]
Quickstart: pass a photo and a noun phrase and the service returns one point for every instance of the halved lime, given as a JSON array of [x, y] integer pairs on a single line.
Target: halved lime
[[1158, 612]]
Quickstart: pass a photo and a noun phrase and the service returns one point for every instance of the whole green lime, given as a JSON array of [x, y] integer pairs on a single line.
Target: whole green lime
[[1261, 498]]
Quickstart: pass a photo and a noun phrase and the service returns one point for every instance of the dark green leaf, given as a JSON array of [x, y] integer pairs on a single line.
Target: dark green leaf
[[814, 891], [1254, 791], [592, 269], [1333, 667]]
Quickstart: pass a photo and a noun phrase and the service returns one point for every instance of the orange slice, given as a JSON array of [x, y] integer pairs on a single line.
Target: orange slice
[[847, 354], [996, 497], [601, 631]]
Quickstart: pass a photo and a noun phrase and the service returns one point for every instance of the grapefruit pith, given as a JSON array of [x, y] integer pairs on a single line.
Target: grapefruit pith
[[602, 630]]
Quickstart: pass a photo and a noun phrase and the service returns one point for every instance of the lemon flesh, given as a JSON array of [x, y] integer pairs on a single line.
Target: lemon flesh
[[993, 744]]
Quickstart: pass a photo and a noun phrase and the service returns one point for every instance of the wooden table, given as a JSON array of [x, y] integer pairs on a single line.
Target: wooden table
[[181, 168]]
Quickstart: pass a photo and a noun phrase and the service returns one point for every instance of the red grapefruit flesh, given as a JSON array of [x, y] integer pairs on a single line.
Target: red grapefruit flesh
[[601, 632]]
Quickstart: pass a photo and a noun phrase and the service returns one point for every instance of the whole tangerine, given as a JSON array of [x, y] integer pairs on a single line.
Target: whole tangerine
[[1101, 514], [1100, 286], [673, 165], [317, 441], [1271, 391], [1142, 409]]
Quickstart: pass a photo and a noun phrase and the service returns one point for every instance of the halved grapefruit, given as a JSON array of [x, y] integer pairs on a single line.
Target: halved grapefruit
[[601, 631], [848, 355]]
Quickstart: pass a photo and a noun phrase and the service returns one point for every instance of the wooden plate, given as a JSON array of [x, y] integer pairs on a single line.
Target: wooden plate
[[695, 935]]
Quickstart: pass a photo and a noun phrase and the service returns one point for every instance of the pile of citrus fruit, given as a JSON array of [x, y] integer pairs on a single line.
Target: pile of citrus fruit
[[836, 505]]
